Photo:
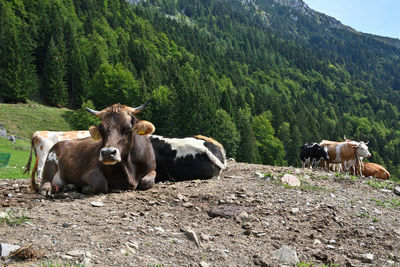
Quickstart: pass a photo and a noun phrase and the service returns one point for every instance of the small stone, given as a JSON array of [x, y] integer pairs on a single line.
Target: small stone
[[3, 215], [66, 225], [258, 175], [205, 264], [6, 249], [377, 211], [76, 253], [332, 241], [396, 190], [295, 210], [367, 258], [188, 205], [281, 200], [160, 229], [287, 255], [330, 246], [192, 235], [291, 180], [123, 251], [317, 242], [97, 204], [243, 216]]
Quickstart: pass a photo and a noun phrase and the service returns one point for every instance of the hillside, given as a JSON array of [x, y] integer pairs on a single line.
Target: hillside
[[330, 220], [261, 76], [23, 120]]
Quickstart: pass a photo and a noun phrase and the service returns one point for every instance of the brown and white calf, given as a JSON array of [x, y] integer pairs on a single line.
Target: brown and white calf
[[375, 170], [41, 143], [347, 153]]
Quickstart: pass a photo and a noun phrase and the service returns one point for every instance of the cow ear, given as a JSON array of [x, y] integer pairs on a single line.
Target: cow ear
[[144, 128], [94, 132]]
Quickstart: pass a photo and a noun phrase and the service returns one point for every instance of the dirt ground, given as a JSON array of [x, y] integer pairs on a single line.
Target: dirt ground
[[241, 219]]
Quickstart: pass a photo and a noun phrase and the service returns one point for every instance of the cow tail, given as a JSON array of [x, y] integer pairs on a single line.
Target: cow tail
[[34, 187], [28, 164], [215, 160]]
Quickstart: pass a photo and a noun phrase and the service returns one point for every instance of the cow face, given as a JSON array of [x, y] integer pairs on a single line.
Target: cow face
[[116, 130], [361, 150]]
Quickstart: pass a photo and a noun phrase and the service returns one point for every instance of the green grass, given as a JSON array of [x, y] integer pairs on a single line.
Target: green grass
[[24, 119], [13, 220], [19, 157], [391, 203], [380, 184]]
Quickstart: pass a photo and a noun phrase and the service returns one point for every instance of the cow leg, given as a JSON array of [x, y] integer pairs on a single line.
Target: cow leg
[[50, 170], [147, 181], [95, 182]]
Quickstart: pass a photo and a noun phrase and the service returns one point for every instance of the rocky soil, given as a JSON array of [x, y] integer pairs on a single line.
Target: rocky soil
[[248, 217]]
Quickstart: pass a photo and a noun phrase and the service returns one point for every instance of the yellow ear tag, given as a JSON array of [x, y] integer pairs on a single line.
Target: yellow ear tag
[[141, 132]]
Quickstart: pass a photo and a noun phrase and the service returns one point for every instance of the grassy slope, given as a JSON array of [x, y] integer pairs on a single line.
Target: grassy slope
[[23, 120]]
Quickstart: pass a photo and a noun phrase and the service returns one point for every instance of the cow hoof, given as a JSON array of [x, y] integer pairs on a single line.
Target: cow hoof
[[87, 190], [45, 189], [146, 184]]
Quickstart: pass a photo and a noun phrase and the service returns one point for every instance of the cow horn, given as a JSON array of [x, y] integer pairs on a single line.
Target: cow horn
[[140, 108], [367, 142], [94, 112]]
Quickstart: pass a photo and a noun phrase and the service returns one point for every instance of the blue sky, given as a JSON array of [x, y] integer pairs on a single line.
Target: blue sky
[[381, 17]]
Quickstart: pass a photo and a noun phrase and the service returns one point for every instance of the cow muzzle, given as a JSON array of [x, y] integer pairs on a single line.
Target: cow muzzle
[[109, 156]]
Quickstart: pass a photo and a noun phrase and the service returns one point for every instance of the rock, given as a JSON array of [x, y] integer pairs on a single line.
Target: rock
[[281, 200], [258, 175], [295, 210], [193, 236], [286, 255], [188, 205], [205, 264], [317, 242], [228, 211], [6, 249], [291, 180], [396, 190], [377, 211], [97, 204], [4, 215], [234, 177], [243, 216], [330, 246], [205, 237], [160, 229], [76, 253], [367, 258], [66, 225]]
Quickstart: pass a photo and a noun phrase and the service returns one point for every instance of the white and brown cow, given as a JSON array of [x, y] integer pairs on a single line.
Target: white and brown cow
[[375, 170], [347, 153], [42, 142], [179, 159]]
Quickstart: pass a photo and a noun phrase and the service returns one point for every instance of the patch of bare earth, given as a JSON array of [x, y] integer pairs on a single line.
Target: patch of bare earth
[[240, 219]]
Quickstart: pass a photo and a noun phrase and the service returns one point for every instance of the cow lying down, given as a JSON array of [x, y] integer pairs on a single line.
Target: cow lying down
[[180, 159], [120, 157]]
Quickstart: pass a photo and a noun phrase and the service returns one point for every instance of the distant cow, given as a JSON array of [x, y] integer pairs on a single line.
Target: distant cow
[[120, 157], [41, 143], [179, 159], [346, 153], [375, 170], [312, 153]]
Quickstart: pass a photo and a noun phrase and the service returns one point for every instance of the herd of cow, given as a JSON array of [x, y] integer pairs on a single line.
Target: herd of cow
[[122, 153], [347, 156]]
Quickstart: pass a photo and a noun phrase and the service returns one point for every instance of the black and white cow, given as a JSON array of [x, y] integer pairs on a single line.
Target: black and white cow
[[312, 153], [180, 159]]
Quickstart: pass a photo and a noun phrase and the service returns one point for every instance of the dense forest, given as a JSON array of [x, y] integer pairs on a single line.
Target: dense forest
[[260, 76]]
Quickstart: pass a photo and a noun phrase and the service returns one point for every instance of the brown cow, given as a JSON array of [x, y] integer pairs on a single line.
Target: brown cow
[[121, 158], [375, 170]]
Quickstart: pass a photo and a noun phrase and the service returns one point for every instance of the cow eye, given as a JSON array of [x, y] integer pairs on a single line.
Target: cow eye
[[101, 128], [126, 130]]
